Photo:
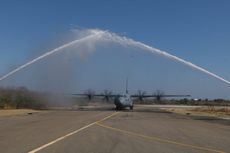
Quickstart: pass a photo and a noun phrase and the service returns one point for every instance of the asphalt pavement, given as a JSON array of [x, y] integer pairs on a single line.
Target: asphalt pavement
[[143, 130]]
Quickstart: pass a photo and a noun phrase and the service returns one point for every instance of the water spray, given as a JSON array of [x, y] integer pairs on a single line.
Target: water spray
[[108, 36], [50, 53], [128, 41]]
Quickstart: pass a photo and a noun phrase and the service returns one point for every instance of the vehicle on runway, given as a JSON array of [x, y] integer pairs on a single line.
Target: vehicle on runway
[[125, 100]]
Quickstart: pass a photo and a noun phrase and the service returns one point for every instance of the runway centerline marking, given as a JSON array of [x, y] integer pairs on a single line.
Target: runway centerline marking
[[158, 139], [72, 133]]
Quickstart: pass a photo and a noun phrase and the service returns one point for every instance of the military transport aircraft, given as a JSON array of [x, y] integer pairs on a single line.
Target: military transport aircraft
[[123, 101]]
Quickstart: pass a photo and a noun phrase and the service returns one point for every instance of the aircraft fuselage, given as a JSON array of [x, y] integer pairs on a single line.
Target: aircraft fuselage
[[124, 101]]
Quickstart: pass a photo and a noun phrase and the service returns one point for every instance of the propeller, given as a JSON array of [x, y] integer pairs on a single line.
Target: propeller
[[140, 94], [159, 94], [107, 95], [90, 94]]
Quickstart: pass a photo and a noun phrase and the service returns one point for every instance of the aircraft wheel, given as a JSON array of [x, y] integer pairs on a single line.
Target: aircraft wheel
[[131, 107]]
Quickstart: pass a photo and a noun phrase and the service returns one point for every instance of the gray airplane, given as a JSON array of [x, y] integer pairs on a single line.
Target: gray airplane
[[125, 100]]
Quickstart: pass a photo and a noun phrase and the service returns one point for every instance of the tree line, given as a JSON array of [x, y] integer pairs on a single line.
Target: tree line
[[20, 97]]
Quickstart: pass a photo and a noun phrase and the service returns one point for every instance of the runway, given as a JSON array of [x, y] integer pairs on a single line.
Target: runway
[[144, 130]]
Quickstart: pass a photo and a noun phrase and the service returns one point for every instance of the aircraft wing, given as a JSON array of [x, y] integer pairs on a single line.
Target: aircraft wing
[[149, 96], [157, 96], [97, 95], [144, 96], [90, 96], [80, 94], [175, 95]]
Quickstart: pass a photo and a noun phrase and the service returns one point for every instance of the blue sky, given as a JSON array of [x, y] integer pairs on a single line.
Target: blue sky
[[196, 30]]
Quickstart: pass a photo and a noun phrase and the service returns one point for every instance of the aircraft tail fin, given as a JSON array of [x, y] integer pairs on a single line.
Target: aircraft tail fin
[[126, 91]]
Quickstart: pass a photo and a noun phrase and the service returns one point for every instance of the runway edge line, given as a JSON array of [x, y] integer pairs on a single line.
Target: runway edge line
[[72, 133]]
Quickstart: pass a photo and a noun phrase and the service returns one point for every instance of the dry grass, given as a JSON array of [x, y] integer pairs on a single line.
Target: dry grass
[[213, 110], [221, 112]]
